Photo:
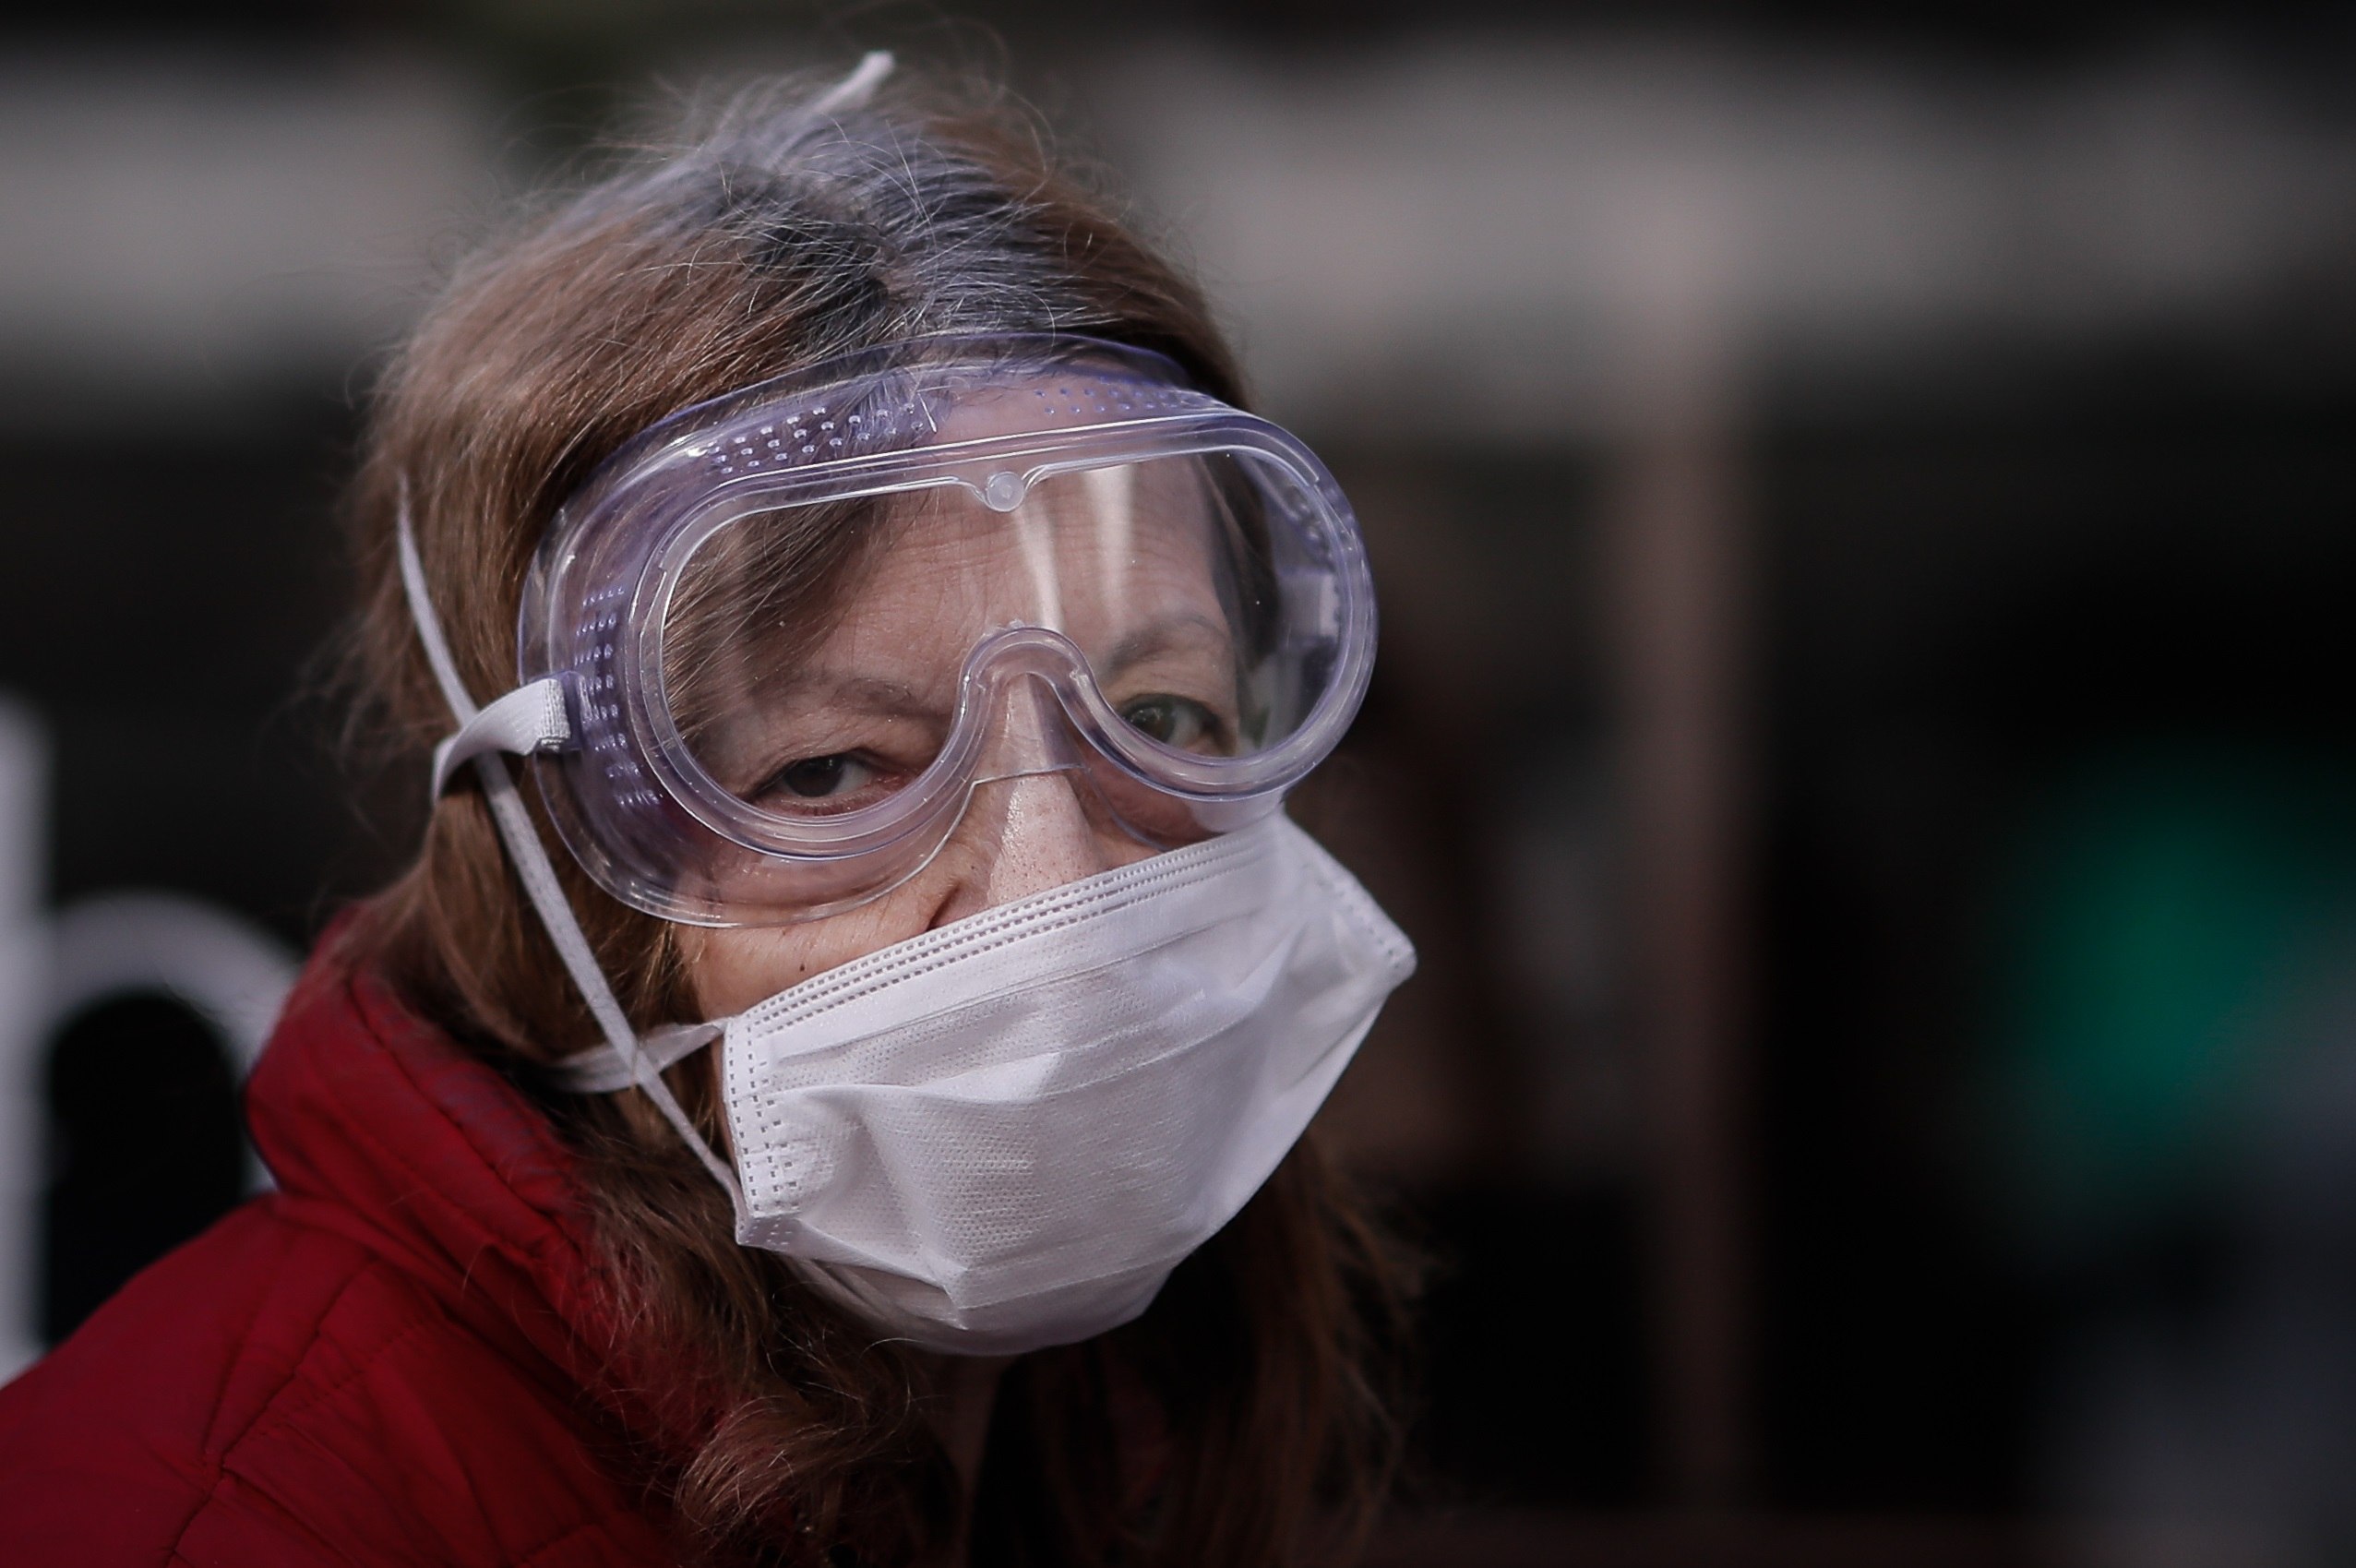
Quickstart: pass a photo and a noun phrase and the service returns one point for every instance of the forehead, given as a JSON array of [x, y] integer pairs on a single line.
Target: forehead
[[1091, 554]]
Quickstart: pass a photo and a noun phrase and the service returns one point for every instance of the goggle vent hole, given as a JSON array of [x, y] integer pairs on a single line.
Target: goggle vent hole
[[1003, 491]]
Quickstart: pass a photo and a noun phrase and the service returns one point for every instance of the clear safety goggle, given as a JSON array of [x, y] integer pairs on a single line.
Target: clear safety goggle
[[774, 646]]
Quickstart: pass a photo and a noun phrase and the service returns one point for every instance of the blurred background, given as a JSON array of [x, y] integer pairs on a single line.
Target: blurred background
[[1865, 511]]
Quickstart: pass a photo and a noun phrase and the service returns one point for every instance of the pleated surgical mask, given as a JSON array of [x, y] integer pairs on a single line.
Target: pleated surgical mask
[[1005, 1133]]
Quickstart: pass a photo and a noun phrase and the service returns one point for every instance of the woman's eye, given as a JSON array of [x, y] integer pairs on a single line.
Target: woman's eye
[[818, 778], [1174, 721]]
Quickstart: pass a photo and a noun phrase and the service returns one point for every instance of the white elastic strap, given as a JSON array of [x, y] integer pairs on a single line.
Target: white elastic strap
[[539, 878], [854, 90], [529, 719], [594, 1070]]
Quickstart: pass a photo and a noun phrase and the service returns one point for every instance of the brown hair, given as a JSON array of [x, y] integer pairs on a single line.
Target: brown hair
[[775, 236]]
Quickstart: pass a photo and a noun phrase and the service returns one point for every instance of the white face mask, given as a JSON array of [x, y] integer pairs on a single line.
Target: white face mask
[[1005, 1133]]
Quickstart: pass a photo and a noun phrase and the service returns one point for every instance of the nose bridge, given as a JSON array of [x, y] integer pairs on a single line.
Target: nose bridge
[[1032, 833], [1026, 827]]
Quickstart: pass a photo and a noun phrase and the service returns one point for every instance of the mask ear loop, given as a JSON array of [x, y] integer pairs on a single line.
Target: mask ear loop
[[539, 877]]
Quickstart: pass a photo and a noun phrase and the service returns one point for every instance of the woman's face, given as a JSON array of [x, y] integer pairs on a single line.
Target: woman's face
[[1124, 562]]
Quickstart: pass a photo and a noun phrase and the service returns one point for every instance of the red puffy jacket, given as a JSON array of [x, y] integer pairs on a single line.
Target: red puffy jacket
[[391, 1360]]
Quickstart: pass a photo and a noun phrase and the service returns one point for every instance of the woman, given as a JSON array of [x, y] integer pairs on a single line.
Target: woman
[[872, 1136]]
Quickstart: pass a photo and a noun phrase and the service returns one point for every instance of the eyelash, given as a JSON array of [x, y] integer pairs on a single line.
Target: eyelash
[[1211, 726], [779, 787]]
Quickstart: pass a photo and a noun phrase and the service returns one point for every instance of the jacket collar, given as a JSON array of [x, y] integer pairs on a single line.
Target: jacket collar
[[377, 1125]]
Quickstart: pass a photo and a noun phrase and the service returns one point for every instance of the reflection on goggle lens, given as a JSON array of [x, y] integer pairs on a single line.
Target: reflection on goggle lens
[[816, 656]]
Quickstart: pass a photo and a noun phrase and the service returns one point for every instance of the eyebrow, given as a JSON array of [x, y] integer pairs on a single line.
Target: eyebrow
[[1160, 637], [871, 694], [898, 699]]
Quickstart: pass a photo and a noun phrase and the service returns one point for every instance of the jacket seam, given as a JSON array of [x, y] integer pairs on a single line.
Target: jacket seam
[[283, 1396], [176, 1553], [585, 1528], [274, 1417], [217, 1463], [490, 1237], [487, 1237]]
